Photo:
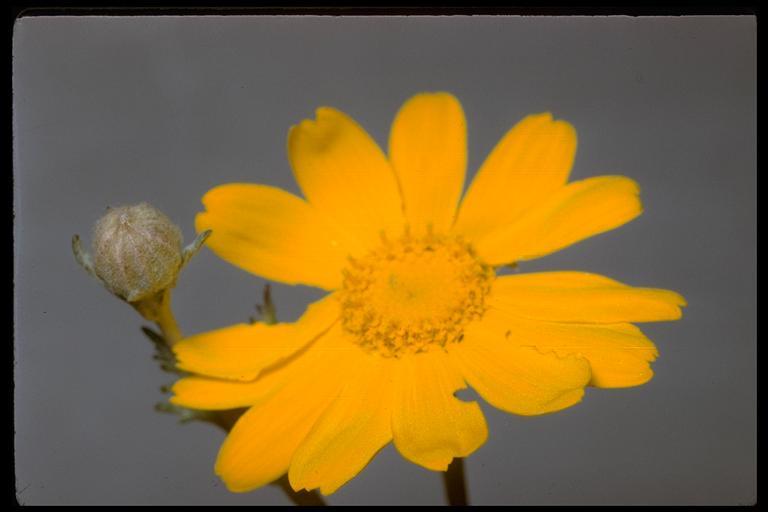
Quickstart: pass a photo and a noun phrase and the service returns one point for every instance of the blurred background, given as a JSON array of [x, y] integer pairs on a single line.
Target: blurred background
[[111, 111]]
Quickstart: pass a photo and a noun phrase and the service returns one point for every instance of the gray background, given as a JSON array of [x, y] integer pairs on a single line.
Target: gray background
[[109, 111]]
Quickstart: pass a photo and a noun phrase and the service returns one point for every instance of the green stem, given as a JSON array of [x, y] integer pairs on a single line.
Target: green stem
[[166, 321], [455, 484]]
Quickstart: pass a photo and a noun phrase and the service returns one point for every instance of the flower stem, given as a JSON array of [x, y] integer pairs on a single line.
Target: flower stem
[[455, 483], [166, 321]]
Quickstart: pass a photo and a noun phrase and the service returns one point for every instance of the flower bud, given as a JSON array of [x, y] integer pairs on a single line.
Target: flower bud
[[137, 251]]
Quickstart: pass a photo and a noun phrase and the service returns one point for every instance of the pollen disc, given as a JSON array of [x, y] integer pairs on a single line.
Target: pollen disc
[[413, 294]]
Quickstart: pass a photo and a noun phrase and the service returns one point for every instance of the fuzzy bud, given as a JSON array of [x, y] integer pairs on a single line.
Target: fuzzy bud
[[137, 251]]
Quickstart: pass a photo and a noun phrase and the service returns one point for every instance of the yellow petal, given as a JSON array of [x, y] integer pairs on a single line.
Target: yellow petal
[[430, 425], [582, 297], [242, 351], [515, 378], [273, 234], [349, 433], [530, 162], [618, 354], [574, 212], [428, 151], [206, 393], [344, 174], [259, 448]]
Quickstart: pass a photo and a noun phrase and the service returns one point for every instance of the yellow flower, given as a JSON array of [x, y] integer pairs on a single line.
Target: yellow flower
[[415, 310]]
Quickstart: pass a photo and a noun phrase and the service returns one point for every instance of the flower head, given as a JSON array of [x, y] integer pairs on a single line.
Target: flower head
[[415, 310]]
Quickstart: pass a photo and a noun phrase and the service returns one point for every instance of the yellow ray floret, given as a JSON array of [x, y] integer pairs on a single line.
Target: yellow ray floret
[[242, 351], [582, 297], [574, 212], [531, 161], [430, 425], [345, 175], [428, 151], [349, 433], [519, 379], [274, 234]]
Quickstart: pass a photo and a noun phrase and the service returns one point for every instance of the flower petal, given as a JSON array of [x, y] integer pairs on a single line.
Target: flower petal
[[430, 425], [428, 151], [618, 354], [582, 297], [273, 234], [515, 378], [206, 393], [349, 433], [260, 446], [344, 174], [530, 162], [241, 351], [577, 211]]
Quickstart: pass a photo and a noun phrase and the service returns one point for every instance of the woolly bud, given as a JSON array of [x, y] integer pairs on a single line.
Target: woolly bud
[[136, 251]]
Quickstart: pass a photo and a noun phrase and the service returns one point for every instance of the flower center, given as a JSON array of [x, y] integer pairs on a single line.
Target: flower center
[[413, 294]]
